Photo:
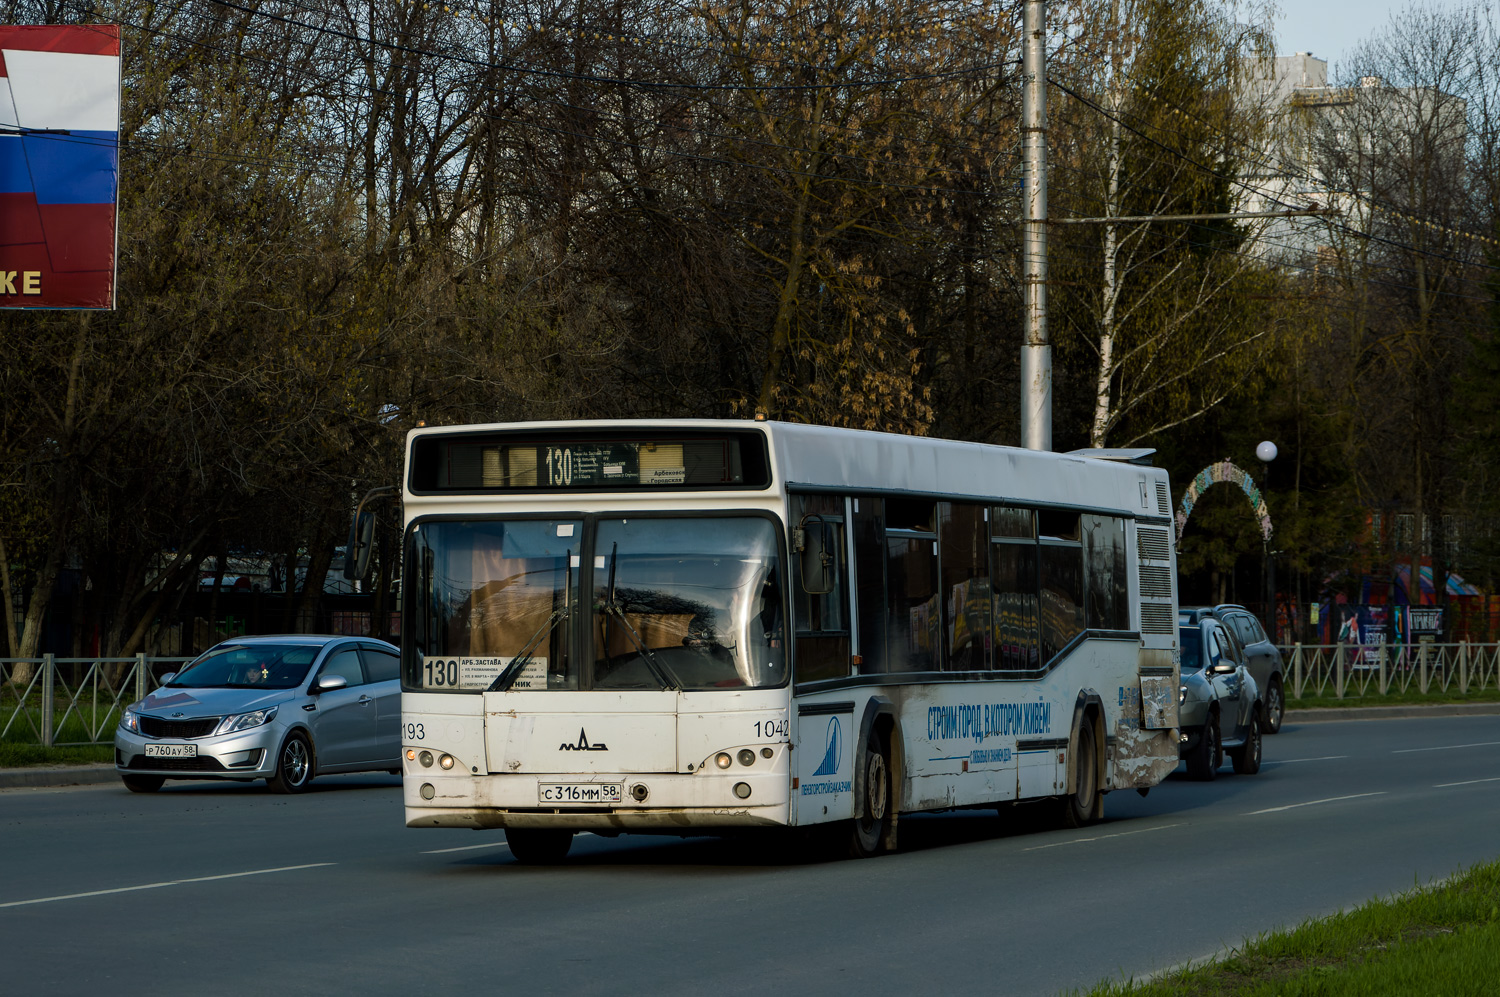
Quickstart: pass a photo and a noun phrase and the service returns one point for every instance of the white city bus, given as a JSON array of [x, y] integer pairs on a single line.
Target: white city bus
[[690, 626]]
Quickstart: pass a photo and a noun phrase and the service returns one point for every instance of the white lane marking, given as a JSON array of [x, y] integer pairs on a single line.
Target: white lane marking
[[1099, 837], [1293, 761], [1466, 782], [1331, 799], [1446, 747], [467, 848], [170, 882]]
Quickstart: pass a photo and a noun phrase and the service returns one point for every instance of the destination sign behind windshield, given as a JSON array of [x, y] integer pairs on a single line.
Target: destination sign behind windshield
[[603, 463]]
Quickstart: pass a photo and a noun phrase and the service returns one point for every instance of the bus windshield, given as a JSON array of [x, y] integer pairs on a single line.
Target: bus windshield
[[687, 603], [691, 603]]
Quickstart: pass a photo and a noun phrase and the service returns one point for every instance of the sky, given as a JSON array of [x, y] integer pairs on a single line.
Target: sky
[[1329, 28]]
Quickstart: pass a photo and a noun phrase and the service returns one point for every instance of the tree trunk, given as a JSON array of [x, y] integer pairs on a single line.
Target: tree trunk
[[318, 561], [1103, 403], [12, 641]]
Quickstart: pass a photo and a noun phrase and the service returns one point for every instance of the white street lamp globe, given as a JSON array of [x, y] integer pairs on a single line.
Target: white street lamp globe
[[1266, 451]]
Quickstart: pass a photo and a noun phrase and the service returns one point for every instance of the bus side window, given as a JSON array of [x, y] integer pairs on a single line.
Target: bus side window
[[964, 555], [869, 575], [1013, 583], [1104, 564], [822, 620], [1062, 580], [914, 611]]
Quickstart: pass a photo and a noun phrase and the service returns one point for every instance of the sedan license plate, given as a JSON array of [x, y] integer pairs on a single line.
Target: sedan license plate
[[171, 751], [579, 792]]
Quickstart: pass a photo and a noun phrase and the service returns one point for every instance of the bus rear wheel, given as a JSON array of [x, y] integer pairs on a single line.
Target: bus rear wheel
[[538, 845], [867, 837], [1086, 803]]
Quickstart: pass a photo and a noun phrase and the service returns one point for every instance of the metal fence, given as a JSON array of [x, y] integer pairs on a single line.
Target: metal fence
[[65, 702], [1352, 671]]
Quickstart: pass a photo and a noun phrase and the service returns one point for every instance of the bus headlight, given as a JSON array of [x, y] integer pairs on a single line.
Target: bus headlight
[[723, 760], [747, 757], [446, 761]]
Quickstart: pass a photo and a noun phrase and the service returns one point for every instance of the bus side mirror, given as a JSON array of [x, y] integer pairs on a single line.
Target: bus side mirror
[[817, 556], [361, 541], [362, 535]]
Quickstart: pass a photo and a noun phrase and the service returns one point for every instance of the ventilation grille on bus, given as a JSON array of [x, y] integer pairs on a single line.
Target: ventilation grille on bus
[[1156, 618], [1156, 582], [1163, 500], [1153, 544]]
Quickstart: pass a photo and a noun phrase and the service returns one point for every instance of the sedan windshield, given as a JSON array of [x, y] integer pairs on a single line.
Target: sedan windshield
[[248, 666]]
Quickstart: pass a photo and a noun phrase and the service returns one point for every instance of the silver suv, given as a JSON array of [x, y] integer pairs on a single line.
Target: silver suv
[[1219, 703], [1262, 657]]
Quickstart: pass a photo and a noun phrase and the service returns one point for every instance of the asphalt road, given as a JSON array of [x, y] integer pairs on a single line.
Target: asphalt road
[[225, 888]]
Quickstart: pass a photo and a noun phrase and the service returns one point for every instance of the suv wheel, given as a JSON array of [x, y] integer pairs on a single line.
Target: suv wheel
[[1203, 764], [1275, 705]]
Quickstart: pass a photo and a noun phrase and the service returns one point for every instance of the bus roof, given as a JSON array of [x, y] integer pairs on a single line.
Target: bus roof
[[808, 458]]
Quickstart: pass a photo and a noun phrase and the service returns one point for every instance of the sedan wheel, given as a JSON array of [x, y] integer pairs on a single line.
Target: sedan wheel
[[142, 783], [294, 765]]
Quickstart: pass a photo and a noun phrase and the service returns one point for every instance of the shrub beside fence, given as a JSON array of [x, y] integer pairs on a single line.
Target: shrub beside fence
[[1353, 671], [65, 702]]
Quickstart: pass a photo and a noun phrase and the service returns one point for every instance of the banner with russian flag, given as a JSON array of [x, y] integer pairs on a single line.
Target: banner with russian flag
[[59, 165]]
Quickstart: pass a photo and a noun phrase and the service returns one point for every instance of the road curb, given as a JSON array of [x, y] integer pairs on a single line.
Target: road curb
[[1325, 714], [57, 775]]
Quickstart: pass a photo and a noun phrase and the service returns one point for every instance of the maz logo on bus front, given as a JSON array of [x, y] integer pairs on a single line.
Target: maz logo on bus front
[[583, 744]]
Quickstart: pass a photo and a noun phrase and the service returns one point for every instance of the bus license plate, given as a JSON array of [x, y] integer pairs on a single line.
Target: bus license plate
[[580, 792], [171, 751]]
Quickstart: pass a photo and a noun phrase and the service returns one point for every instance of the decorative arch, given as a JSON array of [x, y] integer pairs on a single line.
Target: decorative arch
[[1224, 472]]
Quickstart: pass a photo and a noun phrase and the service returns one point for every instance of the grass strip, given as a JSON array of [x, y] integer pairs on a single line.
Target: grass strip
[[1439, 939], [15, 756]]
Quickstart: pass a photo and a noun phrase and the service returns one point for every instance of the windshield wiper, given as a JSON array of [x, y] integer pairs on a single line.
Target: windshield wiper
[[512, 671], [663, 674]]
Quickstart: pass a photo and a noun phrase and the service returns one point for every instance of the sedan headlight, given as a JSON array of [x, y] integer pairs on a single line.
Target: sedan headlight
[[131, 721], [1181, 694], [244, 721]]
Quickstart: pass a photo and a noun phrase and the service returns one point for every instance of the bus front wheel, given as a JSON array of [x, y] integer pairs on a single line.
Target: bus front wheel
[[873, 819], [538, 845]]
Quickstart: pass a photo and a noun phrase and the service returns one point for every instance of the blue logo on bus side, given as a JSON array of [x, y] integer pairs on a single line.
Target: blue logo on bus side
[[832, 755]]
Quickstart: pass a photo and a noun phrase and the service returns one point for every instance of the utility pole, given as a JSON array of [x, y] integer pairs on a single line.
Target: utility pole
[[1036, 353]]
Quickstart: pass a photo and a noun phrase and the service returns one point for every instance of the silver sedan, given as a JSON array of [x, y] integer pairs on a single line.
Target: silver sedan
[[281, 709]]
